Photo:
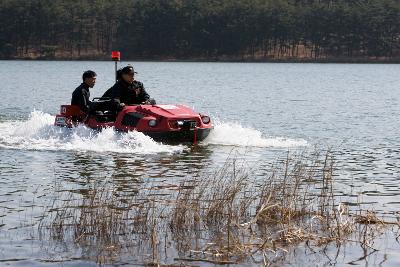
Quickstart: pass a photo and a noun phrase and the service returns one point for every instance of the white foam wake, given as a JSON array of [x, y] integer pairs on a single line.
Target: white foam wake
[[234, 134], [38, 133]]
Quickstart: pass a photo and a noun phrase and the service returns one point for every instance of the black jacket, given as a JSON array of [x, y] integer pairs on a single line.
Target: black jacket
[[80, 97], [129, 94]]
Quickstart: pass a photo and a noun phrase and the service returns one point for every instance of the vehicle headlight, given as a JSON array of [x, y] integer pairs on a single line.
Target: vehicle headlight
[[205, 119], [152, 123]]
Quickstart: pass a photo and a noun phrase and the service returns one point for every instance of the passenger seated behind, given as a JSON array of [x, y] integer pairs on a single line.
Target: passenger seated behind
[[81, 95], [128, 91]]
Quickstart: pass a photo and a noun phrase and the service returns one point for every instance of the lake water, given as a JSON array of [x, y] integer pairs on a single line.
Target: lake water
[[260, 111]]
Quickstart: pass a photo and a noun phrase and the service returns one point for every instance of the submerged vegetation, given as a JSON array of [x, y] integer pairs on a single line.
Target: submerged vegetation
[[226, 217], [201, 29]]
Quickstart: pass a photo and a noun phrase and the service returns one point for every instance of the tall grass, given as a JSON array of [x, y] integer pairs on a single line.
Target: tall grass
[[231, 216]]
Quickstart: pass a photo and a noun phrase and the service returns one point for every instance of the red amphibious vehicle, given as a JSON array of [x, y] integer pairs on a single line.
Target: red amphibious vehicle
[[165, 123]]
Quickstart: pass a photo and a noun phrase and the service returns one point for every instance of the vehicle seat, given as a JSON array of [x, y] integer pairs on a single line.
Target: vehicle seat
[[103, 109], [105, 116]]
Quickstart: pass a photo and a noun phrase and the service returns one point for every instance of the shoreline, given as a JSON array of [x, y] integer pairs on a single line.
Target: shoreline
[[225, 60]]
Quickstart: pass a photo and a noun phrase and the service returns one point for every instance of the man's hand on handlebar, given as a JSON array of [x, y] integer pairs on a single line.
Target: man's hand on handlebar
[[121, 106], [149, 102]]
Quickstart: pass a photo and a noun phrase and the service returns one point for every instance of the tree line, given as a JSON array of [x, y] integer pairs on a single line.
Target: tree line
[[201, 29]]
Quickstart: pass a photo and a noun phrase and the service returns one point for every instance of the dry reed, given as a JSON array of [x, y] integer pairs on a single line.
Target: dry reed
[[227, 217]]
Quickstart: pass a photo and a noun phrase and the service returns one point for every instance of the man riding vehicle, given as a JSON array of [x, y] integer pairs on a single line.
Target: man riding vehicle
[[128, 91], [81, 95]]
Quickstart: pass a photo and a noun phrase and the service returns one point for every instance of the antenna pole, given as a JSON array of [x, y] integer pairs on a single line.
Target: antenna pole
[[116, 56], [116, 67]]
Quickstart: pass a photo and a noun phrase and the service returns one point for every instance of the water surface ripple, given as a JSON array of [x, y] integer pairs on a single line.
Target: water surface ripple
[[260, 112]]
